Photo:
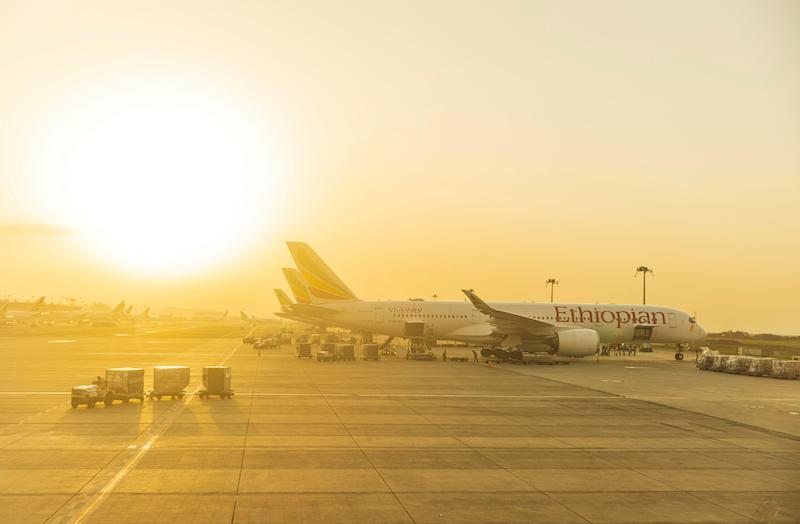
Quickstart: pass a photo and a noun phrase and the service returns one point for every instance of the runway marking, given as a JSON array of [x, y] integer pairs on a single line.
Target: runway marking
[[65, 341], [35, 393], [433, 395]]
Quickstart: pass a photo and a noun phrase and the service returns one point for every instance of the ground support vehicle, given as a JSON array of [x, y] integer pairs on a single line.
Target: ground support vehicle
[[419, 350], [86, 394], [324, 355]]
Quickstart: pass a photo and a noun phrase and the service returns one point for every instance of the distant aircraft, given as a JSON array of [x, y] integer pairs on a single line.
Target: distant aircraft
[[251, 319], [573, 330], [210, 315], [32, 312]]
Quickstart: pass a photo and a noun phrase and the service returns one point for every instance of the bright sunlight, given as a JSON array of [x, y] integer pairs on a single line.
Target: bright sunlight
[[159, 180]]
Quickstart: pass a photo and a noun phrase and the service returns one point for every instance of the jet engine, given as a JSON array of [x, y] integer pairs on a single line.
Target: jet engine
[[576, 342]]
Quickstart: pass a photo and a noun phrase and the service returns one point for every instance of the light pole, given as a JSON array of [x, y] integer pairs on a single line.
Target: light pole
[[552, 282], [644, 270]]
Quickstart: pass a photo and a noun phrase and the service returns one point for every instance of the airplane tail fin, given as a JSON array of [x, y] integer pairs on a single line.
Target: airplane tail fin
[[119, 308], [4, 309], [297, 285], [128, 310], [323, 284], [283, 298], [243, 315], [146, 311], [38, 304]]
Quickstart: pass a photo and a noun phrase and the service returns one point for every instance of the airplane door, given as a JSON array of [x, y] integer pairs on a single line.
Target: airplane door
[[379, 315], [673, 322]]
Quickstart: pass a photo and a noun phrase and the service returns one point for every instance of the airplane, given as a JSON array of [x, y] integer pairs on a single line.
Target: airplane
[[33, 311], [88, 315], [206, 316], [252, 319], [508, 328]]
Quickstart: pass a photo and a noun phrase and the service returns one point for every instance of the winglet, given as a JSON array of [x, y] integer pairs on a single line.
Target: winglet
[[479, 304]]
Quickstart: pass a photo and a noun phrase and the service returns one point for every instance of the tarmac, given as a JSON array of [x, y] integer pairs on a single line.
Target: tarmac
[[629, 439]]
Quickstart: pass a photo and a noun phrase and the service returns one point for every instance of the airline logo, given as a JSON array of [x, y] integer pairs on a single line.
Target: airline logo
[[318, 279], [296, 284], [283, 298], [605, 316]]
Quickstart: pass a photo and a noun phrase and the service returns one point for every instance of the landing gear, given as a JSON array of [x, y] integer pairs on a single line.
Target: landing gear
[[679, 351], [679, 355]]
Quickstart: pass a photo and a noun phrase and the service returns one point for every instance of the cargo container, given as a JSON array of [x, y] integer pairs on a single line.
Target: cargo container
[[303, 350], [169, 381], [760, 367], [785, 368], [370, 352], [124, 384], [216, 381], [345, 352], [739, 364]]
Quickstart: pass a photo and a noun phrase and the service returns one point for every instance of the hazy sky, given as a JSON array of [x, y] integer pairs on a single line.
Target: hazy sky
[[420, 147]]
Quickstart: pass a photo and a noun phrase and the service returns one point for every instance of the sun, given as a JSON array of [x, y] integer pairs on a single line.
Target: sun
[[166, 180]]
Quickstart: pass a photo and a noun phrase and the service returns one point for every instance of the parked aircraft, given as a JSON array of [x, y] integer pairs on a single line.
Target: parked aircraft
[[32, 312], [565, 329]]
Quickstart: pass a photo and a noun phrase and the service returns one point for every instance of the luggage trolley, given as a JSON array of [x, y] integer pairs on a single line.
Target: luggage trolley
[[216, 381], [169, 381]]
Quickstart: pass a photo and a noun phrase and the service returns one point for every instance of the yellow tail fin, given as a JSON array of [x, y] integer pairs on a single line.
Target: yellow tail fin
[[323, 284]]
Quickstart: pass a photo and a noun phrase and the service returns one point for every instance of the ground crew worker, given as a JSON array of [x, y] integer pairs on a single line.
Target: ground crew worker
[[444, 356], [474, 356]]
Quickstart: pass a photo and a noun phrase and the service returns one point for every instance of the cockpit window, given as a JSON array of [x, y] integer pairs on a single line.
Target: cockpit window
[[692, 320]]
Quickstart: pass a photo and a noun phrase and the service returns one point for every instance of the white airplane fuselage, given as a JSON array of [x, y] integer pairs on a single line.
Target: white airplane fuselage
[[462, 322]]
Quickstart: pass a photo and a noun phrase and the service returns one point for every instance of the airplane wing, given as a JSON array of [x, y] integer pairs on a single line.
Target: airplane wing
[[510, 323]]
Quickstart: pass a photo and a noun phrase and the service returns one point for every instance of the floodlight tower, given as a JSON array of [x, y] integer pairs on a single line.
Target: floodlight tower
[[644, 270], [552, 282]]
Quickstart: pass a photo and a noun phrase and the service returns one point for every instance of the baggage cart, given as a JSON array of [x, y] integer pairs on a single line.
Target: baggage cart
[[345, 352], [739, 365], [370, 352], [169, 381], [785, 369], [216, 381], [124, 384], [760, 367], [303, 350]]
